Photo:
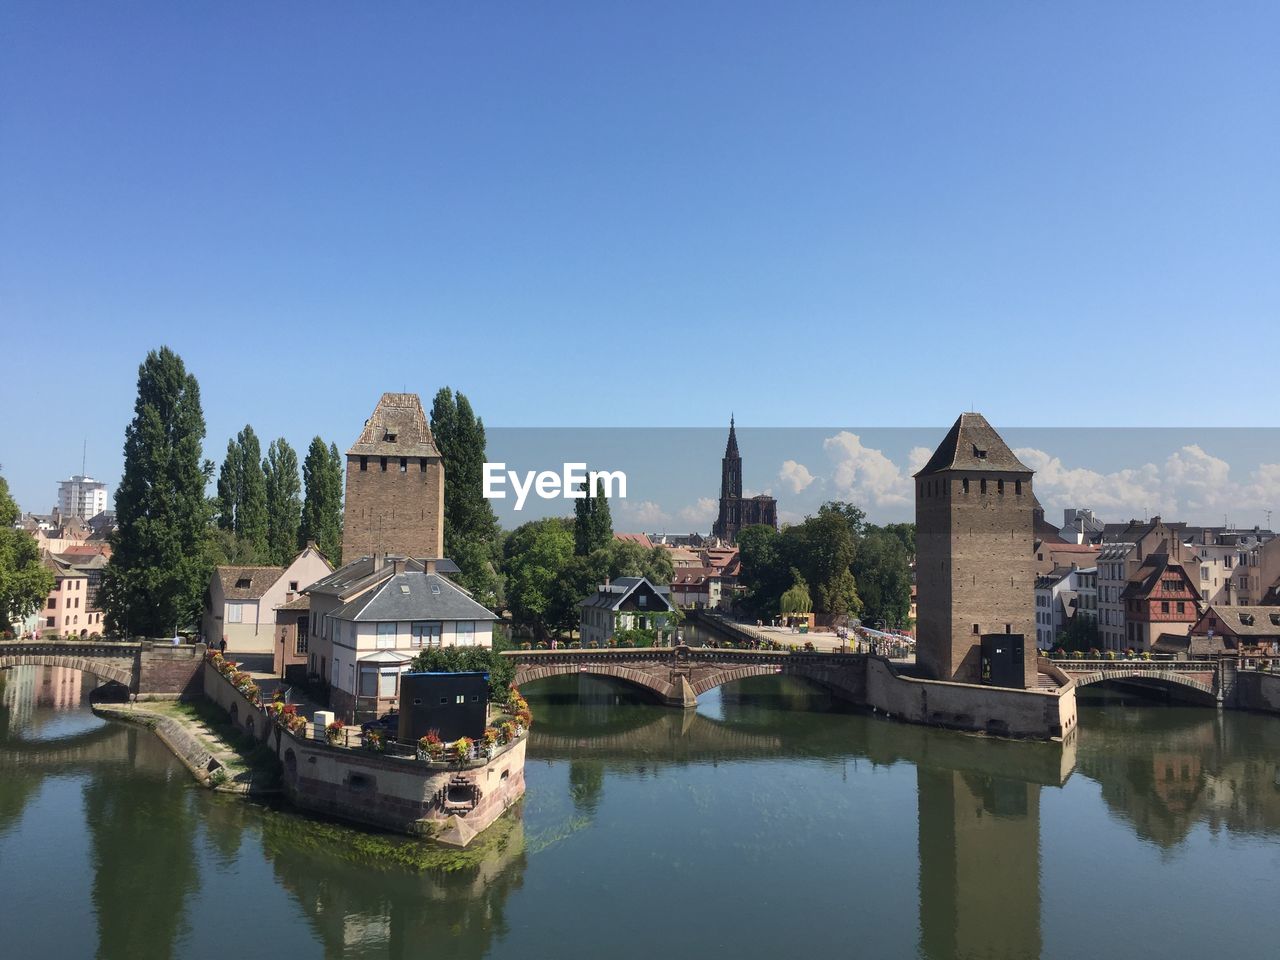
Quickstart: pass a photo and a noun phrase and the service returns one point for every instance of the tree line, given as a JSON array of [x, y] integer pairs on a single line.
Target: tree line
[[834, 563]]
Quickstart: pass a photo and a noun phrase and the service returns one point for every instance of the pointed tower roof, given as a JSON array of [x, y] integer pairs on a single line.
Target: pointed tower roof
[[397, 428], [731, 448], [973, 444]]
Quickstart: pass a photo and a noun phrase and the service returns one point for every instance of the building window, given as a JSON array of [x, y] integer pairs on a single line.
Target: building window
[[51, 621], [364, 463], [964, 484], [1017, 488], [235, 613], [383, 463], [1182, 607], [300, 641], [425, 633], [466, 630], [982, 487], [1000, 487], [53, 603], [404, 464], [293, 586], [422, 464], [368, 682], [389, 681], [386, 635], [1164, 606], [975, 628]]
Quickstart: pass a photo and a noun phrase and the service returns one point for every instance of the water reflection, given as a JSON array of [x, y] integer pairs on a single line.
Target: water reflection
[[769, 788]]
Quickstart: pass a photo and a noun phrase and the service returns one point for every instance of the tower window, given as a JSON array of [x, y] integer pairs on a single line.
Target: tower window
[[364, 463], [404, 464], [975, 628], [384, 464], [964, 484], [1017, 488], [1000, 487], [983, 486], [389, 436], [422, 464]]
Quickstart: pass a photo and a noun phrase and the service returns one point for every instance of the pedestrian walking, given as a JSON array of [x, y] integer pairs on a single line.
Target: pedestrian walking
[[222, 646]]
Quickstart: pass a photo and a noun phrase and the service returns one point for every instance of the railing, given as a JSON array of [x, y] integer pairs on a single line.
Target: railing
[[1161, 666]]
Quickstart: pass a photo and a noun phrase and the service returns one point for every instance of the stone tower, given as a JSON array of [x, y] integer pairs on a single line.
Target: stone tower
[[975, 551], [395, 485], [728, 520]]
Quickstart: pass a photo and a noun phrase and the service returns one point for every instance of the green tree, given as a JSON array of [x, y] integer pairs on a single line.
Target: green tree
[[471, 533], [592, 522], [251, 509], [322, 502], [502, 672], [230, 486], [764, 575], [796, 598], [159, 569], [536, 558], [24, 580], [284, 501], [882, 569]]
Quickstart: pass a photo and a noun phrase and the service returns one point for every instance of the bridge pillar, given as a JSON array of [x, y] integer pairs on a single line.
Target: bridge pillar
[[683, 696]]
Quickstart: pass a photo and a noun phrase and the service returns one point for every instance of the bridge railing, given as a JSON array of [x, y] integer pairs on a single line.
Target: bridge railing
[[1159, 666]]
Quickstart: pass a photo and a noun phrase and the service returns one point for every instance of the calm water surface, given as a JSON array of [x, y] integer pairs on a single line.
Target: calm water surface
[[766, 825]]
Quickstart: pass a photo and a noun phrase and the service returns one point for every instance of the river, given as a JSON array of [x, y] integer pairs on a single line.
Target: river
[[770, 824]]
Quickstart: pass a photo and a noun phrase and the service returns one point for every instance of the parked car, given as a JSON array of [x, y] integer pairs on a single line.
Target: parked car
[[388, 725]]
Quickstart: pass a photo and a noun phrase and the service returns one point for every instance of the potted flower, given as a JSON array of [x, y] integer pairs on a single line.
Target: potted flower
[[375, 740], [296, 724], [462, 749], [507, 732], [333, 731], [430, 746], [490, 740]]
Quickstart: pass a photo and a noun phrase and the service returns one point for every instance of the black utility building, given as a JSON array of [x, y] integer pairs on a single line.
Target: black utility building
[[453, 704]]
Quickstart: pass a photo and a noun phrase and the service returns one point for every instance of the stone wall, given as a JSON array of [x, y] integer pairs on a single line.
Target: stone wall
[[380, 790], [166, 671], [1257, 691], [392, 512], [962, 706]]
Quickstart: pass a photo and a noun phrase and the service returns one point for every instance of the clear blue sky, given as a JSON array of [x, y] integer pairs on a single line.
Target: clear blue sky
[[595, 213]]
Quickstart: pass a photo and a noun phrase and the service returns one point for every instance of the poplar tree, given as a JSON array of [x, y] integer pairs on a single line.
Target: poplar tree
[[251, 509], [470, 526], [322, 500], [592, 522], [230, 481], [158, 572], [284, 501]]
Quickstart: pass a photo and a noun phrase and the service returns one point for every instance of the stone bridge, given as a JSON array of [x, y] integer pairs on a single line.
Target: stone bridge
[[1201, 676], [148, 668], [678, 675]]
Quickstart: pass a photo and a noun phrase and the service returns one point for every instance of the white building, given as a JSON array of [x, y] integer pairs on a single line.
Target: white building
[[1063, 596], [82, 497], [372, 616]]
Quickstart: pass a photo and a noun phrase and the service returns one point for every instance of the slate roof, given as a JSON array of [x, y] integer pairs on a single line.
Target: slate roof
[[361, 573], [397, 428], [610, 596], [414, 595], [640, 538], [260, 581], [1247, 621], [973, 444], [300, 602]]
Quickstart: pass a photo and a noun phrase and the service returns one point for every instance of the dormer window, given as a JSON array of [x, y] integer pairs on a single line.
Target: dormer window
[[1246, 619], [389, 436], [979, 453], [244, 583]]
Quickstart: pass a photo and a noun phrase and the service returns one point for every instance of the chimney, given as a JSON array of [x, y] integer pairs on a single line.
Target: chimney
[[379, 560], [429, 564], [398, 564]]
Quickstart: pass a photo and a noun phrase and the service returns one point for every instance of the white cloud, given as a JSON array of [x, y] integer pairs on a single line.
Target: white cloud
[[701, 514], [1191, 484], [795, 475], [865, 475], [645, 514]]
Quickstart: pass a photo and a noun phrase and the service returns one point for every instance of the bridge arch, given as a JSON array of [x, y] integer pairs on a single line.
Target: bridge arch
[[120, 669], [1167, 678], [662, 689]]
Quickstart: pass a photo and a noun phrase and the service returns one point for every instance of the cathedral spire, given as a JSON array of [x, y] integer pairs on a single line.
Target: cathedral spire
[[731, 448]]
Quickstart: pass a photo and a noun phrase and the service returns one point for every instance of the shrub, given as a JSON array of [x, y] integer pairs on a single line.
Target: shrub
[[507, 732], [462, 748], [375, 740], [490, 736], [333, 731]]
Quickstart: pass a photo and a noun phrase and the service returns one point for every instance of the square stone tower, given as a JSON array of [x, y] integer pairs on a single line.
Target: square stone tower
[[975, 552], [395, 485]]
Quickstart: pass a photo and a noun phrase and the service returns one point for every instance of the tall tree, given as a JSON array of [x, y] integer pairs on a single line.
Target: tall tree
[[24, 580], [322, 503], [230, 486], [159, 569], [284, 501], [592, 522], [536, 557], [251, 509], [471, 531]]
